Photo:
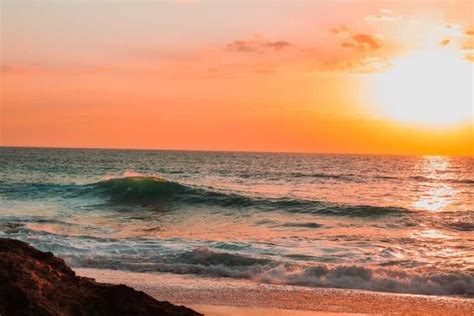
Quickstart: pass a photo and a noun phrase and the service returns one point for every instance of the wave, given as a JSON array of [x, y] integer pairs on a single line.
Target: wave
[[160, 194], [135, 189], [159, 256], [207, 262], [302, 225], [36, 190], [352, 177], [207, 257], [152, 190], [346, 177], [463, 225], [371, 278], [449, 180]]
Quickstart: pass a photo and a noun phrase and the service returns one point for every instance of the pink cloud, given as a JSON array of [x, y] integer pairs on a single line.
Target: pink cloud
[[257, 45], [362, 42]]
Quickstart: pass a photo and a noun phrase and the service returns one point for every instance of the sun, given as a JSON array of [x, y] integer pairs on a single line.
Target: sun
[[430, 88]]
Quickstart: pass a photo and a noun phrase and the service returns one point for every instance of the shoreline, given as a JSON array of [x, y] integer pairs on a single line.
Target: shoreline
[[224, 296]]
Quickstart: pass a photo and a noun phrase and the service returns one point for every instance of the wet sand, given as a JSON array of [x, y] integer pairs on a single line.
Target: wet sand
[[212, 310], [240, 297]]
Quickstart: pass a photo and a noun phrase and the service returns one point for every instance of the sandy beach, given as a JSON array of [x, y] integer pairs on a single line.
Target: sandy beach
[[237, 297]]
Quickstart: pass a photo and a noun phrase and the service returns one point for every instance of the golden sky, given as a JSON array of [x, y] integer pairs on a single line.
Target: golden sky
[[387, 77]]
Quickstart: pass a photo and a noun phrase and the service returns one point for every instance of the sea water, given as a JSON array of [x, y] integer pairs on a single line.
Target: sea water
[[384, 223]]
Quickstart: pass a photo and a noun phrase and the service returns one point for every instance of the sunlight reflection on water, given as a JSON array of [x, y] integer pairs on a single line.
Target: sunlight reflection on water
[[439, 195]]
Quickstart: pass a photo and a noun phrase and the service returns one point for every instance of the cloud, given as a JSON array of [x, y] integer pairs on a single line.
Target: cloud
[[7, 69], [453, 30], [249, 46], [444, 42], [242, 46], [359, 41], [277, 45], [364, 65], [384, 15], [469, 58], [359, 60], [467, 53], [339, 30], [362, 42]]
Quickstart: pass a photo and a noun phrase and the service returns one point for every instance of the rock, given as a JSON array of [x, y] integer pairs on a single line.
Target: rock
[[33, 282]]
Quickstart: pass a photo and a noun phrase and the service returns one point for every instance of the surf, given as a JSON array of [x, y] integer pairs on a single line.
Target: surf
[[157, 193]]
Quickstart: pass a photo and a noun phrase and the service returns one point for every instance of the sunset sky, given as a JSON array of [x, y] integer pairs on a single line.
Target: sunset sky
[[295, 76]]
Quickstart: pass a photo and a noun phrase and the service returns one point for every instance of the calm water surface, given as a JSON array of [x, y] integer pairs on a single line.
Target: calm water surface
[[386, 223]]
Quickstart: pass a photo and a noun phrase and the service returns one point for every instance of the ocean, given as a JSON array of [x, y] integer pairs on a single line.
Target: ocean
[[400, 224]]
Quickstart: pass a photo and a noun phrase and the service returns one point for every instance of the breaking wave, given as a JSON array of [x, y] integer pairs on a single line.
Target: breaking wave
[[207, 262]]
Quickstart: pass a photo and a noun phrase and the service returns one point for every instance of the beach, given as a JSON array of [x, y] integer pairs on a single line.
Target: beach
[[223, 296]]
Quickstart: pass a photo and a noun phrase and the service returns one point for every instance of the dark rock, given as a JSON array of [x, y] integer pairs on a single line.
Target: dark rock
[[33, 282]]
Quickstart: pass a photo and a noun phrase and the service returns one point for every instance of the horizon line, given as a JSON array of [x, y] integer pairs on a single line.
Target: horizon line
[[235, 151]]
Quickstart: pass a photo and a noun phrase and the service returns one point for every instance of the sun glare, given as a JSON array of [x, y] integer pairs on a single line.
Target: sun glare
[[432, 88]]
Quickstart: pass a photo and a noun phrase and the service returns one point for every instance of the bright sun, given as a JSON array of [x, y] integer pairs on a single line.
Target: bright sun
[[431, 88]]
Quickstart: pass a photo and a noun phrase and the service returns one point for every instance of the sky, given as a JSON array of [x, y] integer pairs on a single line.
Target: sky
[[381, 77]]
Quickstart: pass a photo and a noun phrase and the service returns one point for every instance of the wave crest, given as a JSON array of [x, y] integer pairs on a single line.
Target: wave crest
[[372, 278], [136, 189], [152, 190], [208, 262]]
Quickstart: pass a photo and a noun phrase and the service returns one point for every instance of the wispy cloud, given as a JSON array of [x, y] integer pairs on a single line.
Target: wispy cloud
[[384, 15], [363, 65], [7, 69], [359, 41], [469, 58], [453, 30], [445, 42], [339, 30], [257, 45], [362, 42]]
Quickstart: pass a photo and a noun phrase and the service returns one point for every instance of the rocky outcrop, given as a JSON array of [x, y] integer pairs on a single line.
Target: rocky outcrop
[[33, 282]]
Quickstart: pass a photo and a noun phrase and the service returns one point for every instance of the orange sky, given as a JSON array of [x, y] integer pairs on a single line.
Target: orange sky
[[308, 76]]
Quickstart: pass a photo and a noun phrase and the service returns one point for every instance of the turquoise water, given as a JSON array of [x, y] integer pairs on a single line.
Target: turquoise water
[[385, 223]]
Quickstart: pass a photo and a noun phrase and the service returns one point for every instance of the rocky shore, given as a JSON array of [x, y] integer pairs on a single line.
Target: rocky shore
[[33, 282]]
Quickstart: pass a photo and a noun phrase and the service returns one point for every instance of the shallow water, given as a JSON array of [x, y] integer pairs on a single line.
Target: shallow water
[[386, 223]]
